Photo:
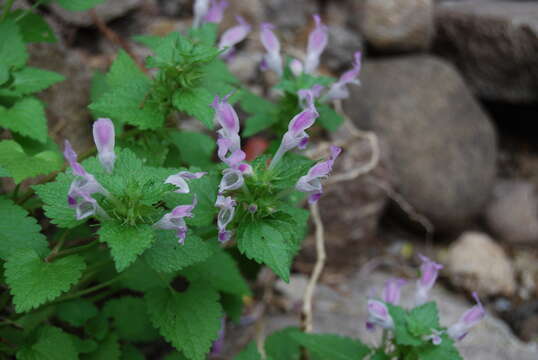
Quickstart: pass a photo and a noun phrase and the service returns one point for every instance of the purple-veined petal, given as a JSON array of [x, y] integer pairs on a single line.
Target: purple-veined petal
[[233, 36], [339, 89], [174, 220], [317, 41], [429, 272], [468, 320], [392, 291], [311, 182], [200, 10], [270, 42], [216, 11], [378, 314], [104, 138], [225, 115]]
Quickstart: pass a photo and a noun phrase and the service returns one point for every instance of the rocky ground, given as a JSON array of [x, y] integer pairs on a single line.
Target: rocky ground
[[449, 87]]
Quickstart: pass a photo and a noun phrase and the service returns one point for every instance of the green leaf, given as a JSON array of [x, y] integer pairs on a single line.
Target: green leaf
[[444, 351], [289, 170], [249, 353], [195, 149], [126, 242], [206, 34], [34, 282], [31, 80], [54, 195], [329, 346], [130, 319], [167, 255], [99, 85], [78, 5], [141, 277], [423, 319], [197, 103], [27, 117], [97, 327], [22, 166], [129, 352], [18, 231], [12, 49], [380, 355], [232, 305], [265, 243], [109, 349], [190, 320], [281, 345], [4, 173], [401, 332], [76, 312], [258, 123], [220, 271], [255, 104], [84, 346], [49, 341], [328, 118], [33, 27]]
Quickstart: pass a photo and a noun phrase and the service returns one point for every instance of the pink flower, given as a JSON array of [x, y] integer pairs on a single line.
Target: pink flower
[[233, 36], [216, 11], [468, 320], [104, 138], [175, 220], [339, 89], [429, 272], [317, 41], [180, 180], [226, 213], [392, 291], [378, 314], [272, 59], [296, 67], [311, 182]]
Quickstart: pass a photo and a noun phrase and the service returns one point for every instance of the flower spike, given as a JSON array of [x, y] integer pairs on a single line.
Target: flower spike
[[270, 42], [469, 319], [339, 89], [180, 180], [200, 10], [311, 182], [317, 41], [233, 36], [429, 272], [104, 138], [216, 11], [175, 220], [225, 216]]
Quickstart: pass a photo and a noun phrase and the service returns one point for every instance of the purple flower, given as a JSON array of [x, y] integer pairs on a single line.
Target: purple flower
[[392, 290], [429, 272], [226, 207], [378, 314], [227, 118], [468, 320], [232, 179], [218, 344], [216, 11], [435, 337], [180, 180], [339, 89], [175, 220], [296, 67], [272, 59], [233, 36], [308, 96], [296, 135], [311, 182], [84, 205], [104, 138], [200, 10], [317, 41]]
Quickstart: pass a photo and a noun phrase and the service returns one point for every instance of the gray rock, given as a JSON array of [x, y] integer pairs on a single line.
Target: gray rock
[[290, 15], [443, 146], [343, 43], [512, 214], [398, 25], [494, 44], [109, 10], [476, 263], [342, 310]]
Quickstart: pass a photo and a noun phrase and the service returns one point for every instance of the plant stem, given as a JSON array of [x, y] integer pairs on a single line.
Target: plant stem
[[74, 250], [16, 192], [88, 290], [7, 9]]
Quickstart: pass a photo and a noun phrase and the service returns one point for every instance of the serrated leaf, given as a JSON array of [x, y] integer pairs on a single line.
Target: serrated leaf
[[12, 49], [196, 149], [190, 320], [444, 351], [167, 255], [220, 271], [141, 277], [49, 340], [18, 231], [108, 349], [129, 352], [328, 118], [54, 195], [206, 34], [258, 123], [401, 333], [33, 27], [197, 103], [26, 117], [289, 170], [423, 319], [130, 319], [249, 353], [255, 104], [265, 243], [330, 346], [280, 345], [78, 5], [126, 242], [22, 166], [31, 80], [76, 312], [34, 282]]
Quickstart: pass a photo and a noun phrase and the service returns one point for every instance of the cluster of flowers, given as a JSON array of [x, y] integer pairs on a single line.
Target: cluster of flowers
[[378, 313]]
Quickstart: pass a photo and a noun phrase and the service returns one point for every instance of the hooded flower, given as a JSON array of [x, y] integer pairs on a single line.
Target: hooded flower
[[378, 314], [233, 36], [317, 41], [104, 138], [216, 11], [175, 220], [200, 10], [272, 59], [339, 89], [311, 182], [392, 291], [180, 180], [226, 207], [429, 272], [468, 320]]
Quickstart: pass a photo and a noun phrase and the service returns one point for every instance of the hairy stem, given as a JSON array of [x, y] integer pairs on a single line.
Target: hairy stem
[[73, 250], [88, 290]]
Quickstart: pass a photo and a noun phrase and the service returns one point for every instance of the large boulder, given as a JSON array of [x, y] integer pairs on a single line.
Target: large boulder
[[494, 44], [397, 25], [109, 10], [443, 146]]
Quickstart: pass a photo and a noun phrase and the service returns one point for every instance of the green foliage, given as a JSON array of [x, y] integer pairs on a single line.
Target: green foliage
[[195, 149], [13, 53], [25, 235], [130, 319], [30, 80], [190, 320], [26, 117], [76, 312], [33, 281], [334, 347], [33, 27], [281, 345], [78, 5], [195, 102], [51, 344], [109, 348], [249, 353]]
